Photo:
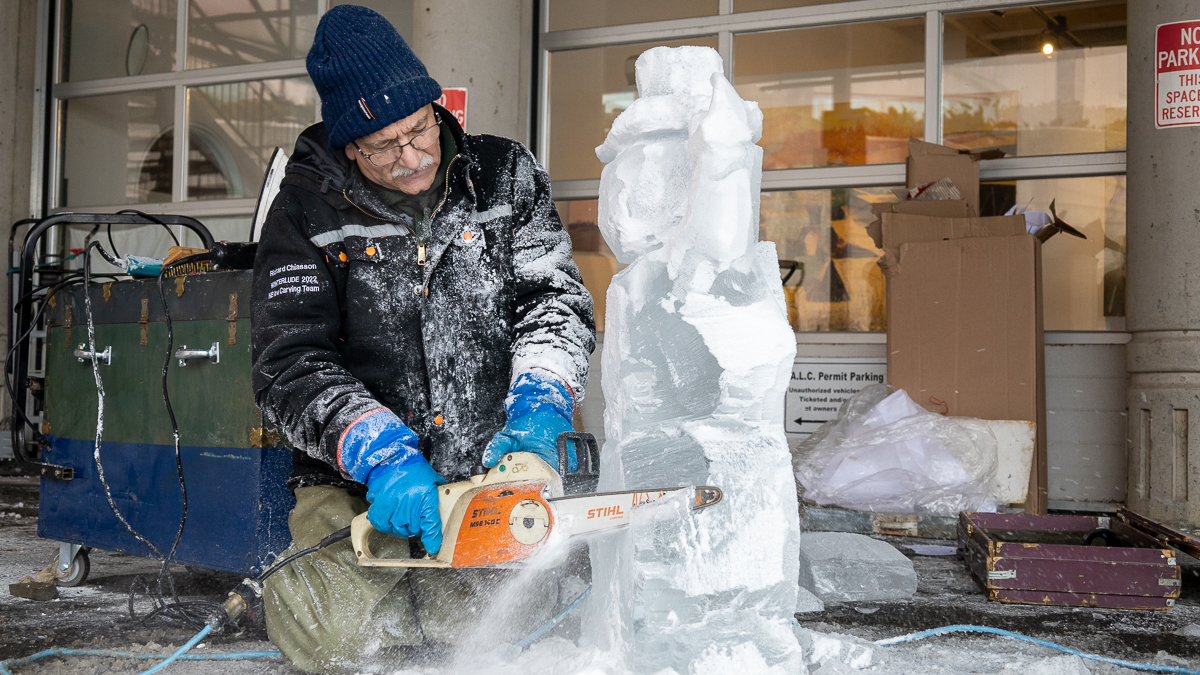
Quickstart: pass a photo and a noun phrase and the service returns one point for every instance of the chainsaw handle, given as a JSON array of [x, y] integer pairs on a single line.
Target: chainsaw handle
[[586, 450], [360, 531]]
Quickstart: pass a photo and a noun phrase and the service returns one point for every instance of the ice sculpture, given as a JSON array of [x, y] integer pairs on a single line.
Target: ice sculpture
[[697, 357]]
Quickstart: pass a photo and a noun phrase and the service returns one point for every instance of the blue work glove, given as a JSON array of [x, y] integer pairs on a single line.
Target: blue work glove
[[379, 450], [404, 501], [539, 408]]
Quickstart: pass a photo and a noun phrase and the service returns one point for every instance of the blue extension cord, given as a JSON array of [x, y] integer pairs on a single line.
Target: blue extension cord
[[181, 653], [912, 637]]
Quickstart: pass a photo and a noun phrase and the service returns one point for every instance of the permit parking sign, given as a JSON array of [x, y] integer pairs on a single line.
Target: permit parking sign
[[819, 385], [1177, 74]]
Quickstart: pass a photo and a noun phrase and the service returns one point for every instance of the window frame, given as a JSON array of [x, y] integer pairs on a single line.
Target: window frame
[[726, 24]]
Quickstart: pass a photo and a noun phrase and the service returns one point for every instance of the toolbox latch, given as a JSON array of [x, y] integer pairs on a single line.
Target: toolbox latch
[[144, 321], [1002, 574], [57, 472], [232, 318]]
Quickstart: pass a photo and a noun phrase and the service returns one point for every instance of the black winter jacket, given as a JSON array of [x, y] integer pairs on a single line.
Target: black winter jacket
[[345, 320]]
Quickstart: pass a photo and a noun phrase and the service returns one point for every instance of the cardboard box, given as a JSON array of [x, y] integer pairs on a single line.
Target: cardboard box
[[965, 330], [928, 162], [949, 208], [902, 228]]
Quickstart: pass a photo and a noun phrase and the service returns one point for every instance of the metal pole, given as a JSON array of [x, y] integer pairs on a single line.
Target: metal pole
[[933, 76]]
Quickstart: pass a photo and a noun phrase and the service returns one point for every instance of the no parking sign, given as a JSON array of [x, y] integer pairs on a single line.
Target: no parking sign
[[1177, 74], [455, 101]]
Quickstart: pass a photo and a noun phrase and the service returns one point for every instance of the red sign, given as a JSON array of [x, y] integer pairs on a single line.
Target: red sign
[[455, 100], [1177, 74]]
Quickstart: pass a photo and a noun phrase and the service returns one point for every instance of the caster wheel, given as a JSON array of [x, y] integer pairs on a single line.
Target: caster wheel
[[78, 572]]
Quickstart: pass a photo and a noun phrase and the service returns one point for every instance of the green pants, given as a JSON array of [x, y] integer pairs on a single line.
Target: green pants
[[328, 615]]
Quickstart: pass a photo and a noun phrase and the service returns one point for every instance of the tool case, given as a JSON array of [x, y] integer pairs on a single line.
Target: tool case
[[1122, 561]]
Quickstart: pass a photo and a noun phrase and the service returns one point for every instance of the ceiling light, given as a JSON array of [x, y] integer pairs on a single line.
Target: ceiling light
[[1048, 48]]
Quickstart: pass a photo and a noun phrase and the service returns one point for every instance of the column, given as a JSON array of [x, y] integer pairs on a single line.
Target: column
[[485, 47], [1163, 288]]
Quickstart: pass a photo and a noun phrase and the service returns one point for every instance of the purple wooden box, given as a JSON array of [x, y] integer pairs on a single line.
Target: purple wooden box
[[1042, 560]]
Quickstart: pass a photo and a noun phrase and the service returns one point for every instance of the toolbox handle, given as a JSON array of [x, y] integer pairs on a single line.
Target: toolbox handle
[[82, 353], [212, 354]]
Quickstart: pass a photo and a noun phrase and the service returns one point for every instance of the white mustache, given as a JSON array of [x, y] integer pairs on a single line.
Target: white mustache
[[403, 171]]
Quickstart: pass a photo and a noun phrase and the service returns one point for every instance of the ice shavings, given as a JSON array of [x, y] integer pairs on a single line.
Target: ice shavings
[[696, 361]]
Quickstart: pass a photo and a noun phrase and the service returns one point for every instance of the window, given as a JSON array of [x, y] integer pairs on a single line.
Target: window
[[569, 14], [1083, 280], [595, 259], [588, 89], [144, 127], [1041, 88], [1002, 91], [836, 95], [837, 285], [244, 122], [757, 5], [102, 39], [232, 32], [112, 149]]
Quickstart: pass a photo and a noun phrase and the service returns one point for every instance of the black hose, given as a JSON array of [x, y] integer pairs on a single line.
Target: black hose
[[110, 242], [162, 295], [191, 613], [334, 538], [17, 343], [152, 219]]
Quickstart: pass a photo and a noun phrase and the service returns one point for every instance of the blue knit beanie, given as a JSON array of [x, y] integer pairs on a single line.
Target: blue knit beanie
[[365, 73]]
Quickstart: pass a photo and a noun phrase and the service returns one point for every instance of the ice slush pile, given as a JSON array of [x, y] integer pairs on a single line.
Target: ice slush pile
[[886, 453], [697, 357]]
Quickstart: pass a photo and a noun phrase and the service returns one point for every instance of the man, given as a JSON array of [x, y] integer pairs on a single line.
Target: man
[[416, 313]]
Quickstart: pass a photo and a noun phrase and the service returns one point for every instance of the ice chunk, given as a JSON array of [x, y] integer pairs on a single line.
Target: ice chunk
[[697, 358], [807, 602], [834, 668], [1069, 664], [742, 658], [824, 648], [844, 567], [1166, 659]]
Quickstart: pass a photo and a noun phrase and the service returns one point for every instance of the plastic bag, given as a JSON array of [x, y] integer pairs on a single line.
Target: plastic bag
[[886, 453]]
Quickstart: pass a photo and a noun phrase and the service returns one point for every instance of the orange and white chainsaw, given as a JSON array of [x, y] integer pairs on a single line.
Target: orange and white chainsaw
[[506, 515]]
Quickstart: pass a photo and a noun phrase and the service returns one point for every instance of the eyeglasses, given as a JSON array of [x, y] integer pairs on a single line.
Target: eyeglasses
[[389, 156]]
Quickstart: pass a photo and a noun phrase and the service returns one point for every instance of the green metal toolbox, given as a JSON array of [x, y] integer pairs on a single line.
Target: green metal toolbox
[[234, 468]]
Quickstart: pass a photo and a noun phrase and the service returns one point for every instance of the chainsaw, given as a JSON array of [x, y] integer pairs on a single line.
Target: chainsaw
[[505, 515]]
